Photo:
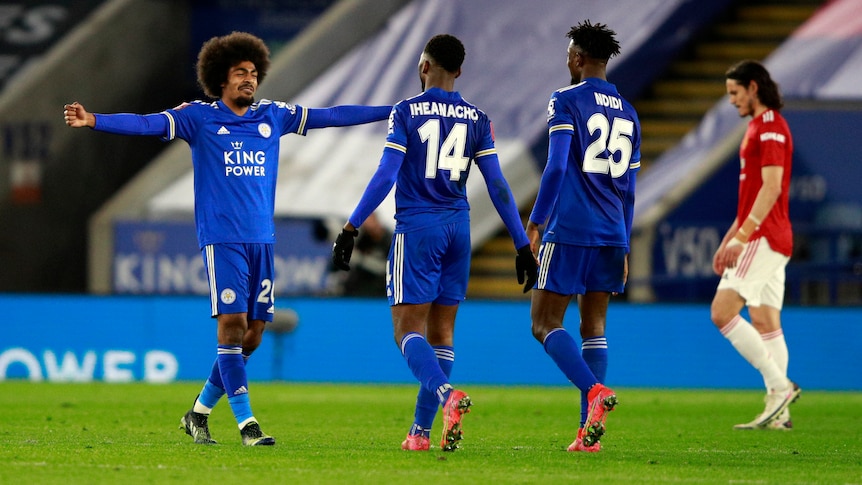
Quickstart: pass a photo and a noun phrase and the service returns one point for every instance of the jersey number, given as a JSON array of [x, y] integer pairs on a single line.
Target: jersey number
[[263, 296], [449, 155], [616, 138]]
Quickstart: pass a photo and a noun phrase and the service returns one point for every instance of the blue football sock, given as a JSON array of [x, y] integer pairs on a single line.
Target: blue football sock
[[423, 363], [565, 353], [426, 401], [232, 369], [595, 353], [415, 429], [213, 389], [208, 397]]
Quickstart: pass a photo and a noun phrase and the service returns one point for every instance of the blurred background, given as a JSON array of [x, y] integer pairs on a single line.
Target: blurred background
[[99, 213], [87, 213], [94, 212]]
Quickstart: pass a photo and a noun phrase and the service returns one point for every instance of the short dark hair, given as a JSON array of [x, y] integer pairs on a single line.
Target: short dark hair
[[446, 50], [219, 54], [748, 70], [597, 41]]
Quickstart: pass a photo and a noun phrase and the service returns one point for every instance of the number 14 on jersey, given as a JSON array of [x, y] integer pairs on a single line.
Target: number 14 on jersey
[[450, 155]]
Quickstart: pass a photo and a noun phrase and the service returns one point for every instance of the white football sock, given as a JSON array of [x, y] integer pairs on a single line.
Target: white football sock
[[777, 347], [746, 340]]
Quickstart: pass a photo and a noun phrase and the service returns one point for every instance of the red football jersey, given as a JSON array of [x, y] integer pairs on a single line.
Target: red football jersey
[[767, 142]]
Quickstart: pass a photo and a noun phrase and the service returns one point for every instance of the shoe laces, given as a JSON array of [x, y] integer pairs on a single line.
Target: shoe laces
[[252, 430]]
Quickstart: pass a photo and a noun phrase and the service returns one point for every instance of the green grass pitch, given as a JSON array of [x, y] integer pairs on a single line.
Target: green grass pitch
[[336, 433]]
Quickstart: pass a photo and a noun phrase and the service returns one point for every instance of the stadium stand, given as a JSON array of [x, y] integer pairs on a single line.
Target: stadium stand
[[820, 63], [59, 179], [690, 86], [29, 29], [671, 106]]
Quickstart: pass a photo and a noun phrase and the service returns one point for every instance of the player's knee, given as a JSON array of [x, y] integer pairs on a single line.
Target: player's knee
[[540, 331], [231, 330], [719, 316]]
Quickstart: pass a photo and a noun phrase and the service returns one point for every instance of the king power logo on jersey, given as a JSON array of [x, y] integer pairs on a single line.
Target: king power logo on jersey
[[244, 163]]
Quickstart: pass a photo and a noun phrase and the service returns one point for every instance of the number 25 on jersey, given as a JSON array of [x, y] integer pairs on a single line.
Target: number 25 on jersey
[[613, 138]]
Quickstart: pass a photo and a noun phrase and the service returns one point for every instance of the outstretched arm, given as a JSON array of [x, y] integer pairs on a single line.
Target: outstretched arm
[[345, 115], [78, 117], [121, 124]]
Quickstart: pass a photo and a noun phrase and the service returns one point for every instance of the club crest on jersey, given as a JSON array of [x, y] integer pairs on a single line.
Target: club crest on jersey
[[228, 296], [265, 130]]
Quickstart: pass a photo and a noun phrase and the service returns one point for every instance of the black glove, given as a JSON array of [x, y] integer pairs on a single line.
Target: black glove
[[526, 267], [342, 249]]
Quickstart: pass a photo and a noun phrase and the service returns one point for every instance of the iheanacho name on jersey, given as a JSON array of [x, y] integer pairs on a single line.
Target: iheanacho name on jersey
[[444, 109]]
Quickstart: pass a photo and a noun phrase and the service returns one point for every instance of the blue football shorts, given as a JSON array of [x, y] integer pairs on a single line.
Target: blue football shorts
[[431, 264], [575, 270], [240, 279]]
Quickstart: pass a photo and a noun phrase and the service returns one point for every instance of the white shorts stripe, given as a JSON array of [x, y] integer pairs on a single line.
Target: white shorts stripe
[[398, 269], [546, 254], [747, 256], [212, 280]]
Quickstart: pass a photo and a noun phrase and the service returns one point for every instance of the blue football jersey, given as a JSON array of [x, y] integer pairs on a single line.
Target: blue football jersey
[[441, 134], [235, 161], [594, 201]]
